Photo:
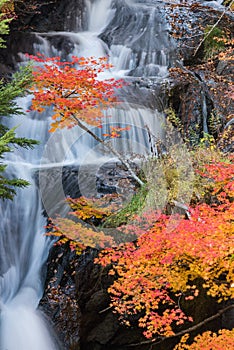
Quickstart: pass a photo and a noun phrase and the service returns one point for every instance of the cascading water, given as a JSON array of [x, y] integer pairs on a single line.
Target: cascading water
[[140, 50], [136, 39], [23, 252]]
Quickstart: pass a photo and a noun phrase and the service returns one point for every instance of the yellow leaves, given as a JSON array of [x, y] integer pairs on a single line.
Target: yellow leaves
[[79, 234], [54, 126], [7, 8], [224, 340], [88, 208]]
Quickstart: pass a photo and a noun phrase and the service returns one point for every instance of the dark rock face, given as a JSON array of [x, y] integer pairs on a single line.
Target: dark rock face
[[225, 68], [59, 302], [99, 328], [77, 303], [55, 15], [58, 183], [188, 23], [75, 297]]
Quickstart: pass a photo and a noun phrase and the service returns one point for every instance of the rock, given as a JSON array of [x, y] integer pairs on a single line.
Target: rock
[[77, 302], [99, 327], [112, 177], [225, 67], [56, 15], [59, 302]]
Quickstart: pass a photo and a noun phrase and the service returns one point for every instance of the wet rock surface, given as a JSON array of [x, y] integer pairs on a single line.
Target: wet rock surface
[[55, 15], [46, 15], [94, 180], [59, 302], [99, 327], [77, 303]]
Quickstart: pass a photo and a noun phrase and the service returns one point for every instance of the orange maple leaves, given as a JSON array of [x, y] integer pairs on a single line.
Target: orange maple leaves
[[81, 232], [163, 265], [224, 340], [73, 89], [97, 208]]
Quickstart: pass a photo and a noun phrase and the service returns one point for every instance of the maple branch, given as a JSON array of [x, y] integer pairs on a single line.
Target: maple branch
[[188, 330], [110, 148], [69, 94], [212, 28]]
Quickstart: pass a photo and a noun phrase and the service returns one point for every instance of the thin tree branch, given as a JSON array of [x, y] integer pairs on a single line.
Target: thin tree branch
[[212, 28], [188, 330], [229, 123], [110, 148], [106, 309]]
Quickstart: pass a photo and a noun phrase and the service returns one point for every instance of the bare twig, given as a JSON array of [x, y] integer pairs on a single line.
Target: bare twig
[[110, 148], [106, 309]]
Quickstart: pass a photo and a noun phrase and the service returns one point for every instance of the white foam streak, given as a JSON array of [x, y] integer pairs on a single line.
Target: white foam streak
[[100, 14]]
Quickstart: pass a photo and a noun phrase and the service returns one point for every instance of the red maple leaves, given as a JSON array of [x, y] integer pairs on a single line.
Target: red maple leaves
[[73, 89], [164, 265]]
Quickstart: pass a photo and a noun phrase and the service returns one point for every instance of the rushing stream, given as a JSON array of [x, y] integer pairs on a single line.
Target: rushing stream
[[135, 36]]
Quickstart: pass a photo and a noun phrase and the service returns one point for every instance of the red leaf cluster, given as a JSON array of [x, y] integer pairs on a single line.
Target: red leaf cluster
[[73, 88], [163, 265]]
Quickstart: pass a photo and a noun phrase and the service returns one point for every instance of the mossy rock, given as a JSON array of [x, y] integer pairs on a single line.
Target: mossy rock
[[214, 41], [132, 208]]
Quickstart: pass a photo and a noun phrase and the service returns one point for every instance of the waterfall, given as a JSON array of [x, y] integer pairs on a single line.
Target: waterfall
[[135, 37], [140, 51], [23, 252], [100, 14]]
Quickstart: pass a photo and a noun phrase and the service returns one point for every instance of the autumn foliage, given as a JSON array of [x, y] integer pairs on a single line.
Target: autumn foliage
[[224, 340], [79, 229], [78, 235], [162, 268], [73, 88], [158, 272]]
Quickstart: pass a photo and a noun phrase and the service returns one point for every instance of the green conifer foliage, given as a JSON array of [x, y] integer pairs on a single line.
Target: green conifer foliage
[[4, 22], [17, 87]]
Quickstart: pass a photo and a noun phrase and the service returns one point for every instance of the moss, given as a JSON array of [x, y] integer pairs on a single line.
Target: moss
[[171, 178], [173, 118], [212, 43], [133, 207]]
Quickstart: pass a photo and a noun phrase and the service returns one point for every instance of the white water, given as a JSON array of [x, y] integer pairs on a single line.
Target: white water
[[23, 251], [100, 14], [23, 247], [72, 146]]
